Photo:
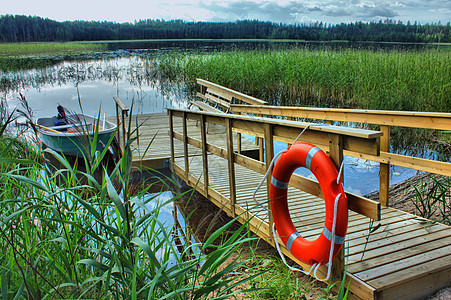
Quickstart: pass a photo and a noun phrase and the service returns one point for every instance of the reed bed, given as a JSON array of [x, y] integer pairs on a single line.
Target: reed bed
[[383, 80]]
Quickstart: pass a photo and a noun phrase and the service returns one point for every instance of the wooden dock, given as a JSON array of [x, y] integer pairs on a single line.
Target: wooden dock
[[388, 254], [405, 258]]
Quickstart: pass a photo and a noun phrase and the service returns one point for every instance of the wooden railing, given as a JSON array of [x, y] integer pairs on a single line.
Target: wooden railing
[[386, 119], [120, 106], [333, 139]]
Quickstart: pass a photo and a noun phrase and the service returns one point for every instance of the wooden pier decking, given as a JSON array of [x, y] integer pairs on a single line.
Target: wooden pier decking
[[388, 253], [405, 258], [154, 128]]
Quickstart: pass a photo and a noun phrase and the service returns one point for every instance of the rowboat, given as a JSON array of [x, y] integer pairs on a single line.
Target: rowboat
[[72, 134]]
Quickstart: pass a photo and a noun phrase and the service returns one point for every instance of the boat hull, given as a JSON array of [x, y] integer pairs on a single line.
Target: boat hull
[[76, 140]]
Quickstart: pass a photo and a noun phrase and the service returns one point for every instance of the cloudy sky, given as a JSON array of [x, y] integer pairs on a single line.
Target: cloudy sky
[[286, 11]]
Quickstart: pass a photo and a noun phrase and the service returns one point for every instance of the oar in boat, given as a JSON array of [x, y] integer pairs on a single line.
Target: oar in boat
[[46, 128]]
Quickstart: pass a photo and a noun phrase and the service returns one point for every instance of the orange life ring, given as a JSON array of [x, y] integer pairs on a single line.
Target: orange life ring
[[311, 157]]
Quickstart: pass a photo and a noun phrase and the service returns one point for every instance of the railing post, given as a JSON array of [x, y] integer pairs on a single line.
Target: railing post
[[384, 169], [231, 164], [124, 113], [123, 126], [185, 145], [269, 154], [261, 149], [203, 132], [289, 118], [118, 125], [238, 143], [171, 138], [238, 135], [336, 155]]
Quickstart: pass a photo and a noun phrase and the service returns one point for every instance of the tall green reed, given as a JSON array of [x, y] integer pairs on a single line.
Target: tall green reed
[[433, 199], [382, 80], [67, 234], [392, 80]]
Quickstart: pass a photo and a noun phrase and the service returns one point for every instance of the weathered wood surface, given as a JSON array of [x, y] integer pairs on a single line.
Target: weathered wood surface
[[204, 106], [121, 104]]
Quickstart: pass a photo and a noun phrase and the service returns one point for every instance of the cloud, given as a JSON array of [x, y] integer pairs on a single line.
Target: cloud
[[303, 11], [397, 4], [286, 11], [374, 11], [261, 10], [337, 11], [358, 9]]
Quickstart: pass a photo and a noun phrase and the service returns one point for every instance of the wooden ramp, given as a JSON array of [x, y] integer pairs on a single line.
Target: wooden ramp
[[406, 257]]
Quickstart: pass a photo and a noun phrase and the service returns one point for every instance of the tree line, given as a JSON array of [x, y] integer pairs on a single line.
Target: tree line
[[19, 28]]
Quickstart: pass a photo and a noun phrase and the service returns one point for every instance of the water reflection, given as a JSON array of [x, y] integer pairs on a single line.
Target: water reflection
[[123, 72], [96, 82]]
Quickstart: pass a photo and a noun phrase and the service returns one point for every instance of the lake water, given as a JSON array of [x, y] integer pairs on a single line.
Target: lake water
[[95, 83], [122, 73]]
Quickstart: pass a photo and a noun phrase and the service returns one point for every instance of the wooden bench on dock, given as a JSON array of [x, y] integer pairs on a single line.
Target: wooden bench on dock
[[216, 98]]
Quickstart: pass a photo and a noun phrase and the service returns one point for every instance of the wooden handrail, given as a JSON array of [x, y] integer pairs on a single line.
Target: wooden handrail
[[338, 138], [429, 120], [121, 105], [282, 130], [384, 118]]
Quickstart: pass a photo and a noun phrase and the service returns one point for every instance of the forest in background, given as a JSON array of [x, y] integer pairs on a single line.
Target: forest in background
[[19, 28]]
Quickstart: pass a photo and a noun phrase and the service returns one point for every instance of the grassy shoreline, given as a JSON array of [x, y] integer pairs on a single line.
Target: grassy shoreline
[[18, 49], [24, 56]]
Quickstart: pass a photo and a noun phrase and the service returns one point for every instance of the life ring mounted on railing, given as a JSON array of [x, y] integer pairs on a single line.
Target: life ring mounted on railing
[[311, 157]]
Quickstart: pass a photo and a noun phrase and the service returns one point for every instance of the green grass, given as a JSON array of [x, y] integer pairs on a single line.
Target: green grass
[[391, 80], [24, 56], [279, 282], [17, 49], [433, 199]]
